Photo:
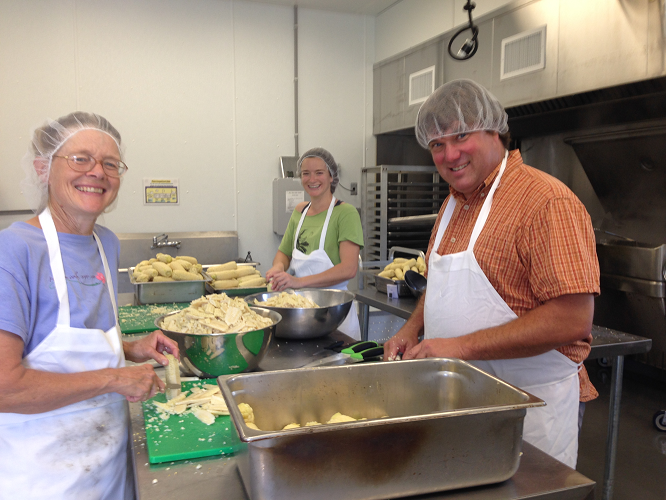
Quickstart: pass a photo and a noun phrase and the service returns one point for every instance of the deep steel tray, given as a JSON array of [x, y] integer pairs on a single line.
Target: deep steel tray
[[432, 425], [382, 283], [165, 292]]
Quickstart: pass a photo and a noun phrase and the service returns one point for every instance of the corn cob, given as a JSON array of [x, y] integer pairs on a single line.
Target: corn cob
[[181, 275], [163, 269], [162, 257]]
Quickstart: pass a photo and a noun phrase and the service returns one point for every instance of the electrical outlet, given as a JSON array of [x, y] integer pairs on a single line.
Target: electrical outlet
[[354, 190]]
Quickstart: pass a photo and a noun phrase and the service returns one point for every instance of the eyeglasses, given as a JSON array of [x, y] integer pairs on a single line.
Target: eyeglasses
[[85, 163]]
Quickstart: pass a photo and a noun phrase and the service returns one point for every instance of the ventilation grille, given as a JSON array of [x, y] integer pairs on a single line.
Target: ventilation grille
[[523, 53], [421, 85]]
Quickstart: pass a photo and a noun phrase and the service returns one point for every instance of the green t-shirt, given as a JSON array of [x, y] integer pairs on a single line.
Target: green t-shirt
[[345, 225]]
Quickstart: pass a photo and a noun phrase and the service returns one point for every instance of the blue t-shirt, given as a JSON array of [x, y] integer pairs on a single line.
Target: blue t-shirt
[[27, 291]]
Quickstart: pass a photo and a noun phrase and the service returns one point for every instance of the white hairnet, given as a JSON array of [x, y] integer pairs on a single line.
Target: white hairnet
[[46, 141], [457, 107], [328, 160]]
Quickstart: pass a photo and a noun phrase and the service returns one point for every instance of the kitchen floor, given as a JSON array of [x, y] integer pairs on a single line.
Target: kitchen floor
[[640, 470]]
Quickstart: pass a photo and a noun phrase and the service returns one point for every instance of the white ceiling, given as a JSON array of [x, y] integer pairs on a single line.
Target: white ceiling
[[372, 7]]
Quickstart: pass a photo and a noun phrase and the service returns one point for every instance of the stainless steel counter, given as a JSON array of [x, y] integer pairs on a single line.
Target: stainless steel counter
[[539, 475], [606, 343]]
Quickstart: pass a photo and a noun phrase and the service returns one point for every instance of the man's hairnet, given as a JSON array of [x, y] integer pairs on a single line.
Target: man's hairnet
[[46, 141], [328, 160], [459, 107]]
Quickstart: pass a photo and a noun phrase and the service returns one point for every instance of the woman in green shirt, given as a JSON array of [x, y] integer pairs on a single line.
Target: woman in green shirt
[[323, 237]]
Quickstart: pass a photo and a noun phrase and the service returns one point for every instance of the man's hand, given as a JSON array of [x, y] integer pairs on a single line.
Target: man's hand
[[434, 348], [400, 343], [557, 322]]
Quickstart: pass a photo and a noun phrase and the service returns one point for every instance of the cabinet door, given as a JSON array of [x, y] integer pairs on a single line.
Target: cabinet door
[[419, 60], [537, 85], [391, 96]]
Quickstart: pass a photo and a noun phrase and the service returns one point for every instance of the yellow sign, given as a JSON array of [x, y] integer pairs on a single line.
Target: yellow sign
[[160, 191], [161, 195]]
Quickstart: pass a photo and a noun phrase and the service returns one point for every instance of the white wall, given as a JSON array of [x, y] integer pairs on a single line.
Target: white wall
[[410, 22], [201, 91]]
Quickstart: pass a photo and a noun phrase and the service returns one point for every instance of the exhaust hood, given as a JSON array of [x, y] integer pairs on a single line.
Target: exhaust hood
[[627, 168]]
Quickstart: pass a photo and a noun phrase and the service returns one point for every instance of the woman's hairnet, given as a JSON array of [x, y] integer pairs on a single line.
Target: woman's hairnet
[[46, 141], [457, 107], [328, 160]]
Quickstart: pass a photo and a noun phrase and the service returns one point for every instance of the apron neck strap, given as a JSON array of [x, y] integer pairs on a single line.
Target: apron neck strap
[[322, 239], [485, 209], [483, 215], [58, 269], [324, 229], [109, 281]]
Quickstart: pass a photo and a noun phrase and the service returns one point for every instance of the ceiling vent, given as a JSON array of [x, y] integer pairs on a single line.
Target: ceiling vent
[[421, 85], [523, 53]]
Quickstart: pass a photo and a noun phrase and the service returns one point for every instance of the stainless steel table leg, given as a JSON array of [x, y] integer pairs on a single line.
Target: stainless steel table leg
[[365, 320], [613, 427]]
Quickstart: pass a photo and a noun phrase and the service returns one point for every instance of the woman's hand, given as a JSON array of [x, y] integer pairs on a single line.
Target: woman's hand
[[274, 271], [151, 347], [282, 280], [136, 383]]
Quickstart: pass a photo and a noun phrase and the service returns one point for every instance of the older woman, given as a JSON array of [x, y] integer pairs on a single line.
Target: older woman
[[63, 380], [323, 238]]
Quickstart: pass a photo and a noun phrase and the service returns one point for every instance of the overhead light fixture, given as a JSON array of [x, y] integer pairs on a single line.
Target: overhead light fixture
[[469, 48]]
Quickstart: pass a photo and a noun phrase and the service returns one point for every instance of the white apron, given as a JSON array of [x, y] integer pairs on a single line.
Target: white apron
[[460, 300], [318, 262], [78, 451]]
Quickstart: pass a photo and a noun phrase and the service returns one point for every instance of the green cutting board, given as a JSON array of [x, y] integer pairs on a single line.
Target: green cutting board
[[236, 292], [183, 437], [141, 319]]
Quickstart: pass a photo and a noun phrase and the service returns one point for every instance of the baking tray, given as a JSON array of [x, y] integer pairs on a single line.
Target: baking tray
[[447, 425], [166, 291], [235, 292], [403, 289]]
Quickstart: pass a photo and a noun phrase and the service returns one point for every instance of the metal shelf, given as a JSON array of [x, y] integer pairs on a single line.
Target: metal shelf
[[390, 191]]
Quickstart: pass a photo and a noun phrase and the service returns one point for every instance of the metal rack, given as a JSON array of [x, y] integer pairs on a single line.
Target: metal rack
[[391, 192]]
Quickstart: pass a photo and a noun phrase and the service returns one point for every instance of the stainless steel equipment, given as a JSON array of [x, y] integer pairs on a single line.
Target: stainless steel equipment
[[206, 246], [300, 323], [214, 354], [382, 284], [371, 269], [397, 191], [627, 168], [287, 193], [162, 241], [165, 292], [432, 425]]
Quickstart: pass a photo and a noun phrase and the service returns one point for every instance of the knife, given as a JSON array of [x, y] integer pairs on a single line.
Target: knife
[[356, 353]]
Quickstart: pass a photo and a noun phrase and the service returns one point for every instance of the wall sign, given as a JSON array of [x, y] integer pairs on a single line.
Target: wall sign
[[293, 198], [160, 192]]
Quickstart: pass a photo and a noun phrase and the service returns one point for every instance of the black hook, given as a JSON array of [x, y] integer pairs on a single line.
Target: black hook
[[471, 45]]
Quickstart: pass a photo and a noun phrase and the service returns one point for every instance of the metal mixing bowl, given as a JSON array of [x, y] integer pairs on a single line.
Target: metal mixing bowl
[[296, 323], [213, 354]]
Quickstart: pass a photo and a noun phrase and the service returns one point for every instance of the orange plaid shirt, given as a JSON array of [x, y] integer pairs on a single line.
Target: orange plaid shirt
[[537, 244]]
